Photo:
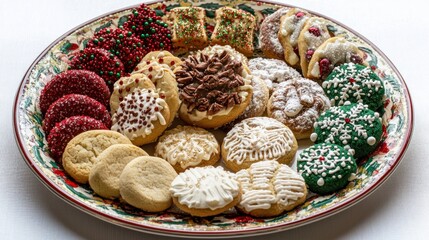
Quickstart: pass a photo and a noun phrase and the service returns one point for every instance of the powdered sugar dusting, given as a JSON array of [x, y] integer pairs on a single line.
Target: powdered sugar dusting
[[268, 39]]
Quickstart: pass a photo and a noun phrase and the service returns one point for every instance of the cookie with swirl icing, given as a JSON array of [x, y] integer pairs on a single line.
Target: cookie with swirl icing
[[326, 167], [257, 139], [186, 146], [142, 116], [268, 39], [205, 191], [297, 104], [270, 188]]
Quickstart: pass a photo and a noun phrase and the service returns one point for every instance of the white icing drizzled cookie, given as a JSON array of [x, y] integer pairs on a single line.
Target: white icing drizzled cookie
[[186, 146], [205, 191], [257, 139], [270, 188]]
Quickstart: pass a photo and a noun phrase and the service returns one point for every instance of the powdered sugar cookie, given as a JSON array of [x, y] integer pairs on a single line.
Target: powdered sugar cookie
[[205, 191], [214, 89], [272, 71], [312, 35], [333, 52], [82, 151], [268, 35], [270, 188], [104, 175], [145, 183], [297, 104], [257, 139], [142, 116], [127, 85], [185, 146], [291, 25]]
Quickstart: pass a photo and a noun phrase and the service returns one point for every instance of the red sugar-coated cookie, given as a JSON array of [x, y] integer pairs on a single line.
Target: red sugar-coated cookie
[[75, 105], [67, 129], [124, 44], [149, 27], [74, 81], [100, 61]]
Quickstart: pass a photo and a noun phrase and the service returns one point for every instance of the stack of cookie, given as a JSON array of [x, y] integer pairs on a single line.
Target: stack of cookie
[[129, 88]]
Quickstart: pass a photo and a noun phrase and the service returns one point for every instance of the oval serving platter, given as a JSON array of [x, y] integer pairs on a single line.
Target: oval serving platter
[[372, 171]]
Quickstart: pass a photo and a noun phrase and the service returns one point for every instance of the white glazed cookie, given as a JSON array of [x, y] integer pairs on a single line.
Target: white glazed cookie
[[104, 175], [313, 34], [272, 71], [268, 39], [145, 183], [333, 52], [205, 191], [142, 116], [270, 188], [298, 104], [185, 146], [290, 27], [257, 139]]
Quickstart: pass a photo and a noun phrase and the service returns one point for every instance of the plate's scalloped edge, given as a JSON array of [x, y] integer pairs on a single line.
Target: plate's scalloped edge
[[222, 233]]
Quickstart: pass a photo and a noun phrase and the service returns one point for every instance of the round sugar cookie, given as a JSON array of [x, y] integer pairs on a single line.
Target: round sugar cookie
[[145, 183], [82, 151], [353, 126], [185, 146], [142, 116], [268, 35], [297, 104], [257, 139], [326, 167], [354, 83], [104, 175], [205, 191], [270, 188]]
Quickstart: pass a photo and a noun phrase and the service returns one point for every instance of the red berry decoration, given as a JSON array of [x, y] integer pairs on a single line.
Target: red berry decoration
[[324, 66], [309, 54], [123, 44], [299, 14], [74, 81], [315, 31], [356, 59], [75, 105], [149, 27], [100, 61], [67, 129]]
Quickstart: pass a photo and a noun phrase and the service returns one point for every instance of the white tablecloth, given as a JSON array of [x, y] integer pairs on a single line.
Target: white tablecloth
[[397, 210]]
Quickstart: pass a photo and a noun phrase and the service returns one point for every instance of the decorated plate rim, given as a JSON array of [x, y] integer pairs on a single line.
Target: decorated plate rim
[[218, 233]]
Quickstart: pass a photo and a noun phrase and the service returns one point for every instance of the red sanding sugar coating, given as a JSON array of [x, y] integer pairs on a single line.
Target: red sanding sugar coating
[[67, 129], [74, 81], [100, 61], [123, 44], [154, 33], [75, 105]]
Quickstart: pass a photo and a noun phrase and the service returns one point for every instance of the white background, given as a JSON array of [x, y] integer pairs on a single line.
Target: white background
[[397, 210]]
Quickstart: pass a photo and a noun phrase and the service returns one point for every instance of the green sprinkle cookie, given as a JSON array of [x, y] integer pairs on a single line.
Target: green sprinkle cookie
[[326, 168], [353, 126], [354, 83]]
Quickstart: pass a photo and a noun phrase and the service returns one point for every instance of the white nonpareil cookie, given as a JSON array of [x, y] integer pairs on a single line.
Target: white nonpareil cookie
[[257, 139], [186, 146], [270, 188]]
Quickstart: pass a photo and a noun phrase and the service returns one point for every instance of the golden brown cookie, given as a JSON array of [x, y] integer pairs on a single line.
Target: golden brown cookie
[[145, 183], [188, 27], [142, 116], [313, 34], [104, 175], [270, 188], [82, 151], [257, 139], [214, 89], [297, 104], [205, 191], [268, 35], [291, 25], [234, 27], [333, 52], [185, 146]]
